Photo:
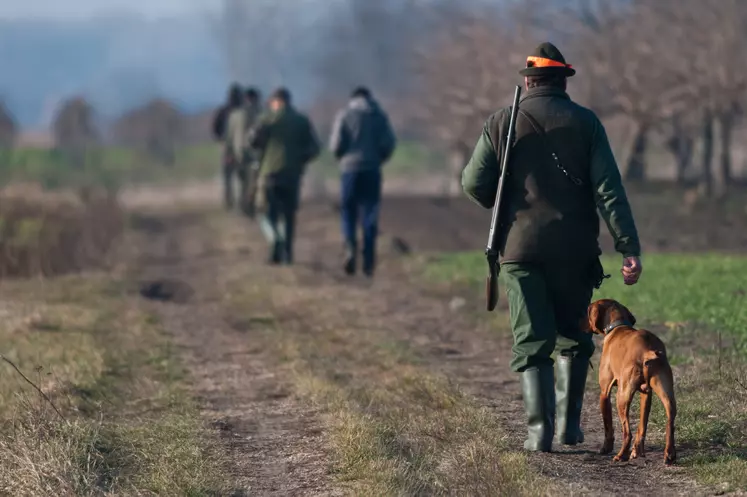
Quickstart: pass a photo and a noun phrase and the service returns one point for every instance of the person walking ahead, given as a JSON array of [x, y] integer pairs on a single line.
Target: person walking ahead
[[562, 170], [234, 149], [362, 140], [287, 142]]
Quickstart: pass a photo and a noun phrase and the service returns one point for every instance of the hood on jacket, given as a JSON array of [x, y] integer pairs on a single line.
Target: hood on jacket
[[363, 104]]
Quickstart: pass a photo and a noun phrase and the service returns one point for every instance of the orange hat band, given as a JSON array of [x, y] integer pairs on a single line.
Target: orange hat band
[[542, 62]]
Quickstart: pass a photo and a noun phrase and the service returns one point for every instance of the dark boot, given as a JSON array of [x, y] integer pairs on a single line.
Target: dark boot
[[569, 391], [276, 253], [228, 200], [349, 260], [537, 385], [369, 261]]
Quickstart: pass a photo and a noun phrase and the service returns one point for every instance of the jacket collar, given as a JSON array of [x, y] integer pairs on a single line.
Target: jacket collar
[[545, 91]]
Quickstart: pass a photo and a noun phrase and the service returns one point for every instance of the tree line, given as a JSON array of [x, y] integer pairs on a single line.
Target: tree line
[[671, 71], [665, 75], [156, 128]]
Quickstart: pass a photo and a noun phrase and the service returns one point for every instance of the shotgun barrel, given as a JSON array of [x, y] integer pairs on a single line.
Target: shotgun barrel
[[491, 252]]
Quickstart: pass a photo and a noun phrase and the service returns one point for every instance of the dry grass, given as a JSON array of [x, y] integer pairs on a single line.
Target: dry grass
[[394, 427], [49, 234], [130, 429]]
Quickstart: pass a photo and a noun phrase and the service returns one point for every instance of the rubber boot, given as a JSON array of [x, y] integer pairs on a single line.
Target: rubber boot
[[537, 387], [569, 392]]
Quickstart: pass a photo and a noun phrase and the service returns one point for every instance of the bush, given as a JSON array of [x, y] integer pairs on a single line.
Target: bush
[[49, 234]]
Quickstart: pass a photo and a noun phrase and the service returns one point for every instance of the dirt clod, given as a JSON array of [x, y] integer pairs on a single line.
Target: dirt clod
[[175, 291]]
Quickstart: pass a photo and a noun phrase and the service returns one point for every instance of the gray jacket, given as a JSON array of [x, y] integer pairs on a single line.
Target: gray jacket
[[362, 137]]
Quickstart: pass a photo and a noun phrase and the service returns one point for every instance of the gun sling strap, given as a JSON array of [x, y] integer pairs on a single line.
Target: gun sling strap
[[538, 129]]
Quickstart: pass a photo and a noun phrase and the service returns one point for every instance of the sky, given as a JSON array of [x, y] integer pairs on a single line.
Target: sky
[[81, 9]]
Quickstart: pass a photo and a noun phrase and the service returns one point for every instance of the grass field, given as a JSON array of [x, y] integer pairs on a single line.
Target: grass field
[[409, 159], [315, 381], [118, 167], [110, 167], [130, 427], [698, 305]]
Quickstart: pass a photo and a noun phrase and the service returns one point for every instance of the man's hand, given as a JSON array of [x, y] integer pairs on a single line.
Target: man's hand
[[631, 270]]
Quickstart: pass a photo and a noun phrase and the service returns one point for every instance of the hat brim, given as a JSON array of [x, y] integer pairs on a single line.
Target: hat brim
[[548, 71]]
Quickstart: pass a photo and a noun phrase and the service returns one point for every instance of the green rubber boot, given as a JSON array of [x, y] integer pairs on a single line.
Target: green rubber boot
[[537, 387], [569, 391]]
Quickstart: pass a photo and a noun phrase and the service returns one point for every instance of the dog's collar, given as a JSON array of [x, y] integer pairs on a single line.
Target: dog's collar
[[616, 324]]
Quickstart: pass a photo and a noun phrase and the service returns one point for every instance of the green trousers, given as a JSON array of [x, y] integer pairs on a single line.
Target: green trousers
[[547, 303], [278, 221]]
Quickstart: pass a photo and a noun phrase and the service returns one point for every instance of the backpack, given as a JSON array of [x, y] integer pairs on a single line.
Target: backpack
[[219, 123]]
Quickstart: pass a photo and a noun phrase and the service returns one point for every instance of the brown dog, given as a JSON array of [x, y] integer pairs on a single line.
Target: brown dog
[[635, 361]]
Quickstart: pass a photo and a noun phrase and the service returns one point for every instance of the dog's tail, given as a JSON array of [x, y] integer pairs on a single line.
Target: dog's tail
[[650, 360]]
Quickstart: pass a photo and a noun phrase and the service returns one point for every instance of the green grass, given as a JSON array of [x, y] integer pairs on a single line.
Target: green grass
[[114, 168], [409, 159], [697, 298], [131, 427], [710, 290], [108, 167]]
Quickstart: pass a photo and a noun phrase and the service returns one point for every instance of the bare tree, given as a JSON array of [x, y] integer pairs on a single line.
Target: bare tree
[[74, 129], [8, 128], [156, 128], [460, 77], [265, 42]]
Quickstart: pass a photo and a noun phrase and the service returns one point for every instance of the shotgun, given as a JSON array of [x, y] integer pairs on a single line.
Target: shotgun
[[491, 252]]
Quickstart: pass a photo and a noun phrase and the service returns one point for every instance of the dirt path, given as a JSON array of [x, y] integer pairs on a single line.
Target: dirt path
[[277, 442]]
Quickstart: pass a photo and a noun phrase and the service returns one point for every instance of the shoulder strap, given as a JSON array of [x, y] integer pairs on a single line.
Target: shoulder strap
[[538, 129]]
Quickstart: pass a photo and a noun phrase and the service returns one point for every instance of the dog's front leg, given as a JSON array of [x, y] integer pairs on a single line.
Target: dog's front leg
[[640, 439], [624, 398]]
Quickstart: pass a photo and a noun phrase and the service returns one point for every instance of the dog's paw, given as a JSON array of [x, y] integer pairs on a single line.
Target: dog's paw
[[670, 459], [621, 458], [606, 448], [638, 452]]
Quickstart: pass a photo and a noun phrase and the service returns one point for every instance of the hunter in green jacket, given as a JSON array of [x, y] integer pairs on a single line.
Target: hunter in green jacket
[[562, 172], [286, 142]]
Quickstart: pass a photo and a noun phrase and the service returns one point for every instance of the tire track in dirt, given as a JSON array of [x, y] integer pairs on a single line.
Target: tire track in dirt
[[275, 445]]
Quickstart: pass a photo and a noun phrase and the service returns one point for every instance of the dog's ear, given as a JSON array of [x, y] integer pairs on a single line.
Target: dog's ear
[[594, 319]]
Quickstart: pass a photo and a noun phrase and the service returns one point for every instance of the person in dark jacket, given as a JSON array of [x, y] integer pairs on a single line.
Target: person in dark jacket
[[562, 171], [362, 140], [286, 142]]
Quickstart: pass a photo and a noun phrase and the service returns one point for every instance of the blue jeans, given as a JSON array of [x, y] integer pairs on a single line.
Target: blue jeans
[[361, 198]]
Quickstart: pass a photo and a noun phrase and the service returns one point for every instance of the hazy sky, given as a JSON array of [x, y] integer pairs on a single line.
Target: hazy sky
[[60, 9]]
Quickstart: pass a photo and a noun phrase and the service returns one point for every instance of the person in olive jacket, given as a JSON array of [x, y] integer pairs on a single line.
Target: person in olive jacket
[[287, 142], [561, 172]]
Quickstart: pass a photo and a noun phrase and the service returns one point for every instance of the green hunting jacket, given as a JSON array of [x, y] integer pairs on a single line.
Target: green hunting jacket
[[239, 124], [287, 142], [545, 216]]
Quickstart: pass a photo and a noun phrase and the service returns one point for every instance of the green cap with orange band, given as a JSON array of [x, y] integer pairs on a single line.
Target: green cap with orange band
[[547, 60]]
